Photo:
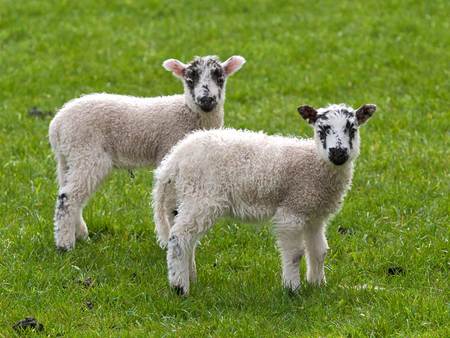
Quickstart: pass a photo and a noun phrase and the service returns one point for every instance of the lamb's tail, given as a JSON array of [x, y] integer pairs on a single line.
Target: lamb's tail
[[164, 203]]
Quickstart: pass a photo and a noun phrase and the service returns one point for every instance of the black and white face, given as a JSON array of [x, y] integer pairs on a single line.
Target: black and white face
[[336, 130], [204, 79]]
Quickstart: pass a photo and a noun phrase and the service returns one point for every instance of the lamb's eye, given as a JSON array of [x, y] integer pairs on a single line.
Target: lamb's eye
[[323, 131], [192, 74], [217, 74]]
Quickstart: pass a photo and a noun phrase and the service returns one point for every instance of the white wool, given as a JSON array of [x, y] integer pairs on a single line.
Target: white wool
[[249, 176], [95, 133]]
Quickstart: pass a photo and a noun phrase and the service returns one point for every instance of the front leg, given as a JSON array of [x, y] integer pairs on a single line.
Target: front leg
[[291, 248], [316, 251]]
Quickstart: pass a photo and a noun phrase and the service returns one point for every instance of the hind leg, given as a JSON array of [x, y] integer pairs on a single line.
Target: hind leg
[[190, 224], [62, 170], [192, 265], [81, 230], [80, 181]]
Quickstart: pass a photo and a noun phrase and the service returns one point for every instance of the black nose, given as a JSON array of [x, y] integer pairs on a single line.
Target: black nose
[[207, 103], [338, 155]]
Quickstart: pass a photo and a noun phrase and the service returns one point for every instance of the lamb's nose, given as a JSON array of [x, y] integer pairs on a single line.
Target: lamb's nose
[[338, 155], [206, 100], [207, 103]]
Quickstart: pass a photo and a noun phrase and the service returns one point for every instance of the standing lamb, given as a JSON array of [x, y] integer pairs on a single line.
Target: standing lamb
[[299, 183], [97, 132]]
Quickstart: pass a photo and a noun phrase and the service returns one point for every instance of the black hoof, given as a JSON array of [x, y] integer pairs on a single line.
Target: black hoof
[[61, 249], [292, 293], [179, 290]]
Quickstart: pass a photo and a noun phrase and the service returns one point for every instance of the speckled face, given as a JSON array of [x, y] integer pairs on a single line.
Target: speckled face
[[204, 78], [336, 130]]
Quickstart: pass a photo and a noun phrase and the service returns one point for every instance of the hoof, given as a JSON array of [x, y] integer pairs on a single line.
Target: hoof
[[293, 292], [63, 249], [179, 290], [81, 232]]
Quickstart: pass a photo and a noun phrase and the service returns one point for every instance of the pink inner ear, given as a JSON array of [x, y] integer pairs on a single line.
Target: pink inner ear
[[233, 64], [174, 66]]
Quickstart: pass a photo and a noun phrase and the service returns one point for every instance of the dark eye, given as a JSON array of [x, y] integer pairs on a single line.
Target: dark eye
[[217, 74], [191, 74], [324, 130]]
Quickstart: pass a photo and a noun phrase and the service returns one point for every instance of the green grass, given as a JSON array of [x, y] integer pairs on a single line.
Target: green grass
[[392, 53]]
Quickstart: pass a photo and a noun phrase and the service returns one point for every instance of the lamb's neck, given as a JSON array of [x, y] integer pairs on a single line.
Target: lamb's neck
[[212, 119], [340, 175]]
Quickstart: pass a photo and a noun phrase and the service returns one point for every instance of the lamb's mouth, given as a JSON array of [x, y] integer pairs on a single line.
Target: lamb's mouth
[[207, 108], [207, 103]]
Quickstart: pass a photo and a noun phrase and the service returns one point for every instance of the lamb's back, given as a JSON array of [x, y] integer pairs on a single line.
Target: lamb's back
[[134, 130], [249, 164]]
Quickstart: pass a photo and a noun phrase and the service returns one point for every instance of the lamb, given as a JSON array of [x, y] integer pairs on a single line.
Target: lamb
[[298, 183], [93, 134]]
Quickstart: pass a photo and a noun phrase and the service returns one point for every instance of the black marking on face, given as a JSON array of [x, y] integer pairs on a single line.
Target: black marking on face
[[218, 75], [350, 129], [195, 69], [323, 131], [347, 113], [175, 212], [322, 116], [192, 75]]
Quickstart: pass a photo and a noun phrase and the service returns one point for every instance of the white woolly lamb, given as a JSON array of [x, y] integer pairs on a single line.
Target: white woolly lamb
[[95, 133], [299, 183]]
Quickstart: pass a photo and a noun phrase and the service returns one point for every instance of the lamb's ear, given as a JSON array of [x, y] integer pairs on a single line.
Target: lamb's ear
[[364, 112], [233, 64], [175, 66], [308, 113]]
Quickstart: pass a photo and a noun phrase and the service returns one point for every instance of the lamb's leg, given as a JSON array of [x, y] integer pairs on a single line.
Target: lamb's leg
[[291, 248], [81, 180], [179, 253], [192, 266], [189, 226], [316, 250]]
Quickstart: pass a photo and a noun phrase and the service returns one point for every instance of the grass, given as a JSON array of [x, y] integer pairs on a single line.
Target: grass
[[392, 53]]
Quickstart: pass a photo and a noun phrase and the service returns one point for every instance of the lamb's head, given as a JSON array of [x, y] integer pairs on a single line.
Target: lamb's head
[[336, 130], [204, 79]]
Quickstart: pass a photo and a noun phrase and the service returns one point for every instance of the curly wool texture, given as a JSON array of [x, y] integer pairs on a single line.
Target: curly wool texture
[[250, 176], [98, 132], [133, 131], [93, 134]]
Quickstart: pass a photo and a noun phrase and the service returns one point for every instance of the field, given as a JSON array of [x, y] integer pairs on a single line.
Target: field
[[388, 266]]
